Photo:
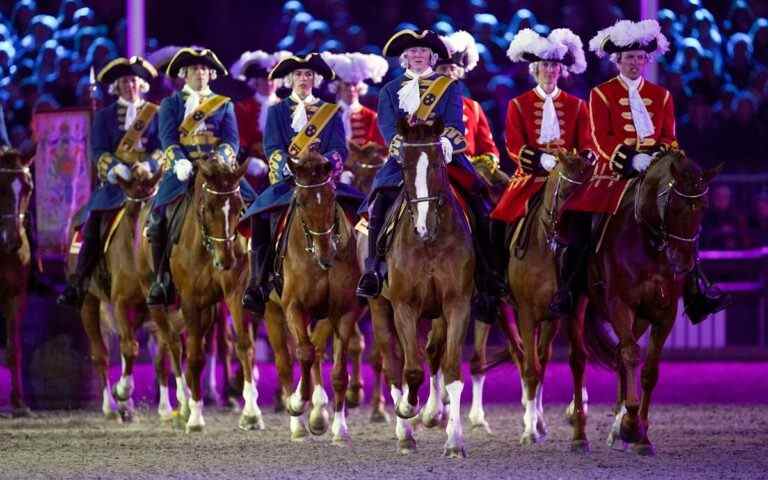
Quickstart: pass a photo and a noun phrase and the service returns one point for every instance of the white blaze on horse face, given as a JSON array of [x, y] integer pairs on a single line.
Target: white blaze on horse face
[[422, 191], [225, 209], [16, 186]]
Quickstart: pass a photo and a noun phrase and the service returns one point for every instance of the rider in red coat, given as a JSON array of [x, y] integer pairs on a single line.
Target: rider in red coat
[[633, 121]]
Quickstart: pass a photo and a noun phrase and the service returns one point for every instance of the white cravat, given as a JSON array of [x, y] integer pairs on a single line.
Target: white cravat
[[131, 110], [346, 115], [409, 95], [550, 124], [193, 100], [640, 117], [264, 101], [299, 118]]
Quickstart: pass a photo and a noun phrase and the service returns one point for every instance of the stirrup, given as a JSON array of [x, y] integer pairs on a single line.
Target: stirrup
[[369, 285], [158, 294], [72, 296], [255, 299], [561, 304]]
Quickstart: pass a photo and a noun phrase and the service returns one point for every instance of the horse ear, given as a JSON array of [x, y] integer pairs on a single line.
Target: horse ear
[[205, 166], [242, 168], [402, 126], [712, 172], [155, 178]]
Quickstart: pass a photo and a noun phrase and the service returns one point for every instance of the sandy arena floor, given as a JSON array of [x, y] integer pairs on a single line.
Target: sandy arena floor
[[693, 442]]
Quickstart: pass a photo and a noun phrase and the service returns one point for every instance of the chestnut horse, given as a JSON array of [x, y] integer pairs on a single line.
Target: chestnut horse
[[320, 273], [16, 187], [117, 282], [431, 265], [209, 264], [363, 163], [636, 279], [533, 281]]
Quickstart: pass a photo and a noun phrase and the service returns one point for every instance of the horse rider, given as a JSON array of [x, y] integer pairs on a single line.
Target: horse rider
[[123, 134]]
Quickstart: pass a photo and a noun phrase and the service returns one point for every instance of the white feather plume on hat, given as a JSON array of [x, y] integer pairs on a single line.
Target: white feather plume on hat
[[625, 33], [529, 46], [357, 67], [463, 43], [262, 59]]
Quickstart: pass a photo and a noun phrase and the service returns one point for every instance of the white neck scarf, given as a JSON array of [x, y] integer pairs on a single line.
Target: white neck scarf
[[550, 124], [194, 98], [640, 117], [346, 115], [409, 95], [299, 118], [264, 101], [131, 110]]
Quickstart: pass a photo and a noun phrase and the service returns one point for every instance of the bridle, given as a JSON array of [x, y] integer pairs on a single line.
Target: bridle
[[410, 202], [551, 233], [309, 234], [208, 239]]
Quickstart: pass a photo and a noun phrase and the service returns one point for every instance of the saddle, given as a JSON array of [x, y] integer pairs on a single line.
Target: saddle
[[519, 234]]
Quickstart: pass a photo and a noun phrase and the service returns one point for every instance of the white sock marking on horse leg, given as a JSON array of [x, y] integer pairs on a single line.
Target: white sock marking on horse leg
[[295, 401], [403, 428], [108, 404], [182, 394], [434, 407], [164, 408], [250, 396], [616, 430], [125, 384], [454, 430], [298, 425], [522, 392], [319, 397], [339, 427], [422, 191], [476, 411], [195, 414], [530, 416]]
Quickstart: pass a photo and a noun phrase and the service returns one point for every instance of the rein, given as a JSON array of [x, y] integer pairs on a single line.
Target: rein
[[208, 239], [551, 234], [309, 234]]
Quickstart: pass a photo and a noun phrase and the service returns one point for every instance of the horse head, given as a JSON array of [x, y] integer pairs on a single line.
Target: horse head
[[16, 187], [219, 205], [676, 198], [364, 162], [425, 176], [142, 184], [315, 200]]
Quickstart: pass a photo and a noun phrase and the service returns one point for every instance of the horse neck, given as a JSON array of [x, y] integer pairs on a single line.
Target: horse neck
[[192, 229], [649, 187]]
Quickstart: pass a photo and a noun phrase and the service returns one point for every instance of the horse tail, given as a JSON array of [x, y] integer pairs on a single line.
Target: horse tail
[[600, 345]]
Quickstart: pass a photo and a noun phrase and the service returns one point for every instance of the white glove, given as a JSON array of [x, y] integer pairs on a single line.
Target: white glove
[[287, 170], [257, 167], [641, 161], [548, 161], [447, 149], [120, 170], [183, 169], [347, 177]]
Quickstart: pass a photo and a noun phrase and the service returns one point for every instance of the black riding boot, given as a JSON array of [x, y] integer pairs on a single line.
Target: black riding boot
[[570, 263], [74, 293], [490, 257], [161, 291], [701, 298], [257, 292], [372, 280]]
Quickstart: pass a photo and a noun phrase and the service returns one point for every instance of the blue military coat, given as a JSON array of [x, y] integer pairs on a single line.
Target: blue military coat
[[4, 141], [220, 134], [278, 135], [106, 133], [449, 109]]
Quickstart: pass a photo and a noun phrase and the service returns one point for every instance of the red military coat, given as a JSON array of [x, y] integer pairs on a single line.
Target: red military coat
[[477, 132], [522, 130], [248, 112], [612, 128], [363, 129]]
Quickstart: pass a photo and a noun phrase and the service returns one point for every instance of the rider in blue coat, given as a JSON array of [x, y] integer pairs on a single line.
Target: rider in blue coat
[[285, 121], [129, 80], [194, 123], [401, 98]]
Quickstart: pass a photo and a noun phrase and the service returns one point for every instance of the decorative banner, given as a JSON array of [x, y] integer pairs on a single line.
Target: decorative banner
[[62, 175]]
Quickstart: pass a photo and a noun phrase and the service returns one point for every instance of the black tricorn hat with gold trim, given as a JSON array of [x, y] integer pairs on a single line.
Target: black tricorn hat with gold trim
[[313, 62], [194, 56], [123, 67], [405, 39]]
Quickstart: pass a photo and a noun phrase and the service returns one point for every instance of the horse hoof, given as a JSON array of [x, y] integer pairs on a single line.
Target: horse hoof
[[432, 422], [342, 440], [165, 417], [410, 411], [21, 411], [250, 422], [406, 445], [318, 421], [630, 432], [454, 452], [481, 425], [580, 446], [615, 443], [541, 429], [378, 415], [127, 416], [111, 416], [644, 449], [355, 396], [528, 439], [118, 397], [194, 428]]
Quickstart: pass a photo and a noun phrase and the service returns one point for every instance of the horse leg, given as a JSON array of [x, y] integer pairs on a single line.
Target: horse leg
[[457, 319], [250, 418], [129, 349], [319, 419], [276, 335], [210, 381], [649, 377], [530, 375], [345, 329], [406, 326], [627, 420], [305, 351], [164, 409], [433, 411], [378, 412], [172, 340], [548, 331], [476, 364], [576, 413], [89, 314], [195, 320], [387, 345], [355, 393], [13, 311]]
